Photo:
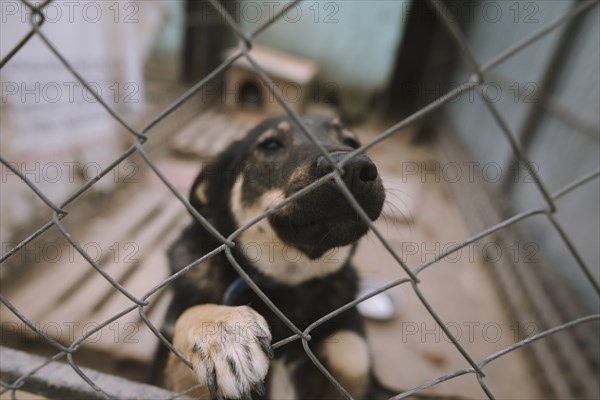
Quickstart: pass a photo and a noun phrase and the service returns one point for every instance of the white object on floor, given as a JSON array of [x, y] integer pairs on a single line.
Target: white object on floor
[[382, 307]]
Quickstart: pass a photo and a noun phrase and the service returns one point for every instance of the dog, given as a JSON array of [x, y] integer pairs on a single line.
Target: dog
[[300, 256]]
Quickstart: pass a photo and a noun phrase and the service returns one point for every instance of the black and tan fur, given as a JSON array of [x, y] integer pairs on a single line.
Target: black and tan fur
[[300, 256]]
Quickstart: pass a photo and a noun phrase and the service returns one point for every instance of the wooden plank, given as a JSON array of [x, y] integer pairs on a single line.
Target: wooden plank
[[129, 337], [79, 305], [66, 320], [55, 280]]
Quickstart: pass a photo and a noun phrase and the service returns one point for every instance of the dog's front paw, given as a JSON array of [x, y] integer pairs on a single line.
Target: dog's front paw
[[228, 347]]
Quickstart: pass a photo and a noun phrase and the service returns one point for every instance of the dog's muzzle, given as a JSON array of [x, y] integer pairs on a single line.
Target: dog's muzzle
[[323, 218], [360, 173]]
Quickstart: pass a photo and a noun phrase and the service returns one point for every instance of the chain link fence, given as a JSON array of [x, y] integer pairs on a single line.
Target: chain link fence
[[25, 373]]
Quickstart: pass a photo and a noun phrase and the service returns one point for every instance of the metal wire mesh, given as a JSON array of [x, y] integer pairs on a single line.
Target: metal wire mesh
[[478, 79]]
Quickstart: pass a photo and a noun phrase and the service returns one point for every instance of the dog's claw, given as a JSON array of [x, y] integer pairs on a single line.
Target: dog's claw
[[266, 346], [212, 384], [225, 366], [246, 395], [260, 388]]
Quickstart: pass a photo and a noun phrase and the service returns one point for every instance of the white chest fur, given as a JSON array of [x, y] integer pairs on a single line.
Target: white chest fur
[[269, 254]]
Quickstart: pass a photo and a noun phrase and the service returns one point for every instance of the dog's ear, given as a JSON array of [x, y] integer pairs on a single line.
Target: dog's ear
[[198, 196], [218, 172]]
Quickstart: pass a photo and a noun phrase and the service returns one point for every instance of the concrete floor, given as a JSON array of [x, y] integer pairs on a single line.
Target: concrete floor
[[411, 349]]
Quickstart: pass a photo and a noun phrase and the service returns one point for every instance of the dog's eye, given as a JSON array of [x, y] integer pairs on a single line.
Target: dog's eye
[[351, 142], [271, 145]]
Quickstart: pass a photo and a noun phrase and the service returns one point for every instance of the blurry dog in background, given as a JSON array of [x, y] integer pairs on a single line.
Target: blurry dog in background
[[300, 256]]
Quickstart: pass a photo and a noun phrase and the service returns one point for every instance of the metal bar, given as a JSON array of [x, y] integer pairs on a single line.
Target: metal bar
[[31, 325], [537, 337], [276, 17], [417, 115], [551, 69], [27, 240], [38, 192], [506, 223], [578, 258], [190, 92], [444, 328], [355, 302], [94, 264], [199, 217], [324, 370], [231, 23], [575, 184], [263, 296], [29, 35], [289, 110], [21, 380], [58, 380], [551, 105], [163, 339], [440, 9], [81, 80], [433, 382]]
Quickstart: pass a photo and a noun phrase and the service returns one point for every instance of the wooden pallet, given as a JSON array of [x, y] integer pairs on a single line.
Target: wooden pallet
[[68, 298], [65, 297]]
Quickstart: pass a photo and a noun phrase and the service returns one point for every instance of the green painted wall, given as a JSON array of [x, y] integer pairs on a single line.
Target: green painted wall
[[170, 37], [353, 41]]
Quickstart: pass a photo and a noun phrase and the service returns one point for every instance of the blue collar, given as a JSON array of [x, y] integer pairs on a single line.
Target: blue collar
[[234, 291], [238, 289]]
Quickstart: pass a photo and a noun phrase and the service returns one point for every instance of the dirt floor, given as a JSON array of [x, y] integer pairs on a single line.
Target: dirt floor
[[420, 221]]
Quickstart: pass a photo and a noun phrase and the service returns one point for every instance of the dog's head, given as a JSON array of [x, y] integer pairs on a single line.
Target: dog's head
[[274, 161]]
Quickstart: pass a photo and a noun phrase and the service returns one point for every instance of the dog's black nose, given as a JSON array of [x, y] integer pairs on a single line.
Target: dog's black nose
[[359, 173]]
